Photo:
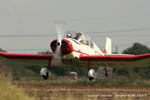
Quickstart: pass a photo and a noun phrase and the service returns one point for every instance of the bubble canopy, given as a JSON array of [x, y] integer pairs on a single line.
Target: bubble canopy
[[79, 37]]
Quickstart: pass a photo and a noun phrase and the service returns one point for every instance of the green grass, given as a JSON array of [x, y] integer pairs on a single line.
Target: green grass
[[138, 76]]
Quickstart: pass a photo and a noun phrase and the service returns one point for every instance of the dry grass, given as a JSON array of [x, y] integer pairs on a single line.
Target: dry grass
[[71, 92], [86, 93], [11, 92]]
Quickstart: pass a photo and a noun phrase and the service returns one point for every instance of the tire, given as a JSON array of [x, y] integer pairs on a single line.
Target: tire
[[45, 77], [91, 78]]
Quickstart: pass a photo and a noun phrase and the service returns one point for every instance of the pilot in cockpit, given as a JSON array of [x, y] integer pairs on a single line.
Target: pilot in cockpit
[[69, 35], [77, 36]]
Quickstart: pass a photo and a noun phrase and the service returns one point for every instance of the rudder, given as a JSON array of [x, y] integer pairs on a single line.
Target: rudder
[[107, 49]]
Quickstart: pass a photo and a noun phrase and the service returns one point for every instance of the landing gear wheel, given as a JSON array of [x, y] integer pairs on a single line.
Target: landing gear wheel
[[91, 78], [91, 74], [45, 73], [45, 77]]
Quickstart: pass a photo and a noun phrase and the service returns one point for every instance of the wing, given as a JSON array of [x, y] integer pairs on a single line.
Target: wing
[[28, 58], [118, 60]]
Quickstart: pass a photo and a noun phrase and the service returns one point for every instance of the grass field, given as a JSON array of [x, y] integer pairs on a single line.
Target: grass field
[[11, 92], [82, 89], [65, 89], [87, 92], [83, 81], [33, 87]]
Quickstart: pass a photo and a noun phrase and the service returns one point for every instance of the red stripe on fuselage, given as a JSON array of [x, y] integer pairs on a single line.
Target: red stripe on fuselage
[[81, 53]]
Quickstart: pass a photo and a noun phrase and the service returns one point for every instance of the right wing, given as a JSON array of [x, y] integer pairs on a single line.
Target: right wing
[[118, 60]]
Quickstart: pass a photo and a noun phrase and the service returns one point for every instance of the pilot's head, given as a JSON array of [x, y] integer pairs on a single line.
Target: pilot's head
[[68, 35]]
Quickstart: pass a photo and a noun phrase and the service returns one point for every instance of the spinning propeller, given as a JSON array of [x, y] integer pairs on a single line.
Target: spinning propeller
[[57, 54]]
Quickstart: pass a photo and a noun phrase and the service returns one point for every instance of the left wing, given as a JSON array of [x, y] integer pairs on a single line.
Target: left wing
[[118, 60], [28, 58]]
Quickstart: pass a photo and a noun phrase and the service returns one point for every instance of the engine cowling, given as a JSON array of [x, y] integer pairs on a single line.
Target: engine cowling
[[91, 74], [45, 73]]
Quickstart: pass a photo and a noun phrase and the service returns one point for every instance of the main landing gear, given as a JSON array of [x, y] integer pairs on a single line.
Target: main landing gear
[[45, 71], [91, 72]]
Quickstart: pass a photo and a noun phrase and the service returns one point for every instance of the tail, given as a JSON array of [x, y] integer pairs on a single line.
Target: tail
[[107, 49]]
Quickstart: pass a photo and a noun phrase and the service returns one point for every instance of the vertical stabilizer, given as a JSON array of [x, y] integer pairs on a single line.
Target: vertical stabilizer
[[107, 46]]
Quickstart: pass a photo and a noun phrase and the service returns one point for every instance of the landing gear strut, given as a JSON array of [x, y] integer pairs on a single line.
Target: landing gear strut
[[45, 71]]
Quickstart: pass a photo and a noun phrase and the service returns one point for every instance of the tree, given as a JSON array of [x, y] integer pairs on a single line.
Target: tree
[[1, 50], [45, 52], [136, 49]]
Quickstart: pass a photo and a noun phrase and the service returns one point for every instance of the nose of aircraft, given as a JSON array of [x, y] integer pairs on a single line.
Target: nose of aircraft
[[66, 46]]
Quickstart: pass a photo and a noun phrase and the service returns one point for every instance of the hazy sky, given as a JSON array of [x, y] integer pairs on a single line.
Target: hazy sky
[[102, 16]]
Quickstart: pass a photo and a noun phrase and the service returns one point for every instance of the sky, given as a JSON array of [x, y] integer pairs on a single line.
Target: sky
[[124, 21]]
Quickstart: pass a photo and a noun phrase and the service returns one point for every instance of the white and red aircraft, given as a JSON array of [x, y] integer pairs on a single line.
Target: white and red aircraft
[[77, 46]]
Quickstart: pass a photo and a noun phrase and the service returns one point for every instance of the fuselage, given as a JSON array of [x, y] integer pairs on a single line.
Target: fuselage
[[83, 49], [77, 46]]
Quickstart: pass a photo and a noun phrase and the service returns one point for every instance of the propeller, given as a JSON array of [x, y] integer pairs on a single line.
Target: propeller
[[57, 54], [60, 32]]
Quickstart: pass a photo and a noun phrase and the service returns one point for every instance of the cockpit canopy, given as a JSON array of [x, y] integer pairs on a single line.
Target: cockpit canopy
[[79, 37]]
